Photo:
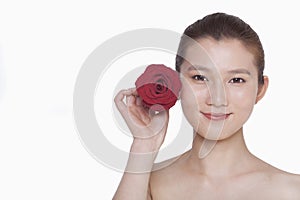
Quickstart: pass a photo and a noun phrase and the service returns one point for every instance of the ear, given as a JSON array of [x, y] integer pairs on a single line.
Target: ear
[[262, 89]]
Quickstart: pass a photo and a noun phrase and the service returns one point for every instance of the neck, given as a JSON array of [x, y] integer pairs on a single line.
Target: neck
[[227, 157]]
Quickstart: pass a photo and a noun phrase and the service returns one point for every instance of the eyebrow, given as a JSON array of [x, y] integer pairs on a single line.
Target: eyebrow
[[197, 67], [234, 71], [239, 71]]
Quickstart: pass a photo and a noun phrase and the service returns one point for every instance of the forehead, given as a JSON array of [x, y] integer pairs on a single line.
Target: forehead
[[224, 54]]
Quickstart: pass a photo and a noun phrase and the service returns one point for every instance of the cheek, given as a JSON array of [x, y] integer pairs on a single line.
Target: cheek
[[188, 98], [243, 100], [192, 97]]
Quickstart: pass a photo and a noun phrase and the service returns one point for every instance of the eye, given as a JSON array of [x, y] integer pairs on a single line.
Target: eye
[[237, 80], [199, 78]]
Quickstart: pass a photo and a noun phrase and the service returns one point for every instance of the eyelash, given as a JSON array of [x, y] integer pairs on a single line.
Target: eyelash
[[237, 80], [203, 78], [200, 78]]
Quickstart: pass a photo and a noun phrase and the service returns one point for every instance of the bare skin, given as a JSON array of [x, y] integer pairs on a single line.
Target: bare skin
[[229, 171], [231, 174]]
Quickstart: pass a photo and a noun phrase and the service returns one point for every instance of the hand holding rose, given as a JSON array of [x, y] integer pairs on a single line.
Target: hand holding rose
[[157, 90]]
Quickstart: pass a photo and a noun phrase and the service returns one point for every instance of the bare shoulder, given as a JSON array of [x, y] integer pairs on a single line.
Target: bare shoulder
[[285, 183], [167, 168], [165, 178], [172, 179], [289, 182]]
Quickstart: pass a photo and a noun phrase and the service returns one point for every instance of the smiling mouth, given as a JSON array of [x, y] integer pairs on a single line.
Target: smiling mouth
[[216, 116]]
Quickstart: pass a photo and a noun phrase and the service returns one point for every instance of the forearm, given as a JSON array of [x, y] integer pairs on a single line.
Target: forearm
[[133, 187], [135, 181]]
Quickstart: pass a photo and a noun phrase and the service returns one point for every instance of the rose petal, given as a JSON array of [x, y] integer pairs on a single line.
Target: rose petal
[[158, 85]]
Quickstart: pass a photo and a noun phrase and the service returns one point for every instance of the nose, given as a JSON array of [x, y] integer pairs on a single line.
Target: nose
[[216, 94]]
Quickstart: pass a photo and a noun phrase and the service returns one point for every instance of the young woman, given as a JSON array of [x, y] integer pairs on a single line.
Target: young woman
[[219, 91]]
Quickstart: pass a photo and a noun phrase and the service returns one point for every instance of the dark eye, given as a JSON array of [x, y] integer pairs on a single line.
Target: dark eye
[[237, 80], [199, 78]]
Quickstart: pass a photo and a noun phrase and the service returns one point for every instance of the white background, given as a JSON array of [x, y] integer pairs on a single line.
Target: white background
[[42, 47]]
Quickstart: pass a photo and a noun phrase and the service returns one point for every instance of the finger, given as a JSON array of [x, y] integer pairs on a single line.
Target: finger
[[144, 114], [119, 97], [138, 101], [127, 92], [119, 101], [131, 101], [127, 99], [134, 92], [130, 91]]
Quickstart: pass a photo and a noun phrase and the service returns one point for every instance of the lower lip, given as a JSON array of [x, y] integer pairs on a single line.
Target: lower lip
[[216, 117]]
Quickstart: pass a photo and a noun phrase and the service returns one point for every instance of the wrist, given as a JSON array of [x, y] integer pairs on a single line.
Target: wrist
[[140, 145], [142, 156]]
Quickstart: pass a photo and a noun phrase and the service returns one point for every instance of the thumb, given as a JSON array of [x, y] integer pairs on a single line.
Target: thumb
[[159, 121]]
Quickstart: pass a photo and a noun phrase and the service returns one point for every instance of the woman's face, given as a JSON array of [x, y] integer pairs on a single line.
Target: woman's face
[[220, 87]]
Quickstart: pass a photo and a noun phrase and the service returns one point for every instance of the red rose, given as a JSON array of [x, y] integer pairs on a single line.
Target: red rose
[[158, 87]]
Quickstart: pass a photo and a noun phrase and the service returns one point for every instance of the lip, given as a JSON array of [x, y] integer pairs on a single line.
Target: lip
[[216, 116]]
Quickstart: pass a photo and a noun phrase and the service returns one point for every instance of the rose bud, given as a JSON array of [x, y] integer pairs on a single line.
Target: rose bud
[[158, 87]]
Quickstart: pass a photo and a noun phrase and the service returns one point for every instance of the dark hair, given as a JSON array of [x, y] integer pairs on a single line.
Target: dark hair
[[220, 26]]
